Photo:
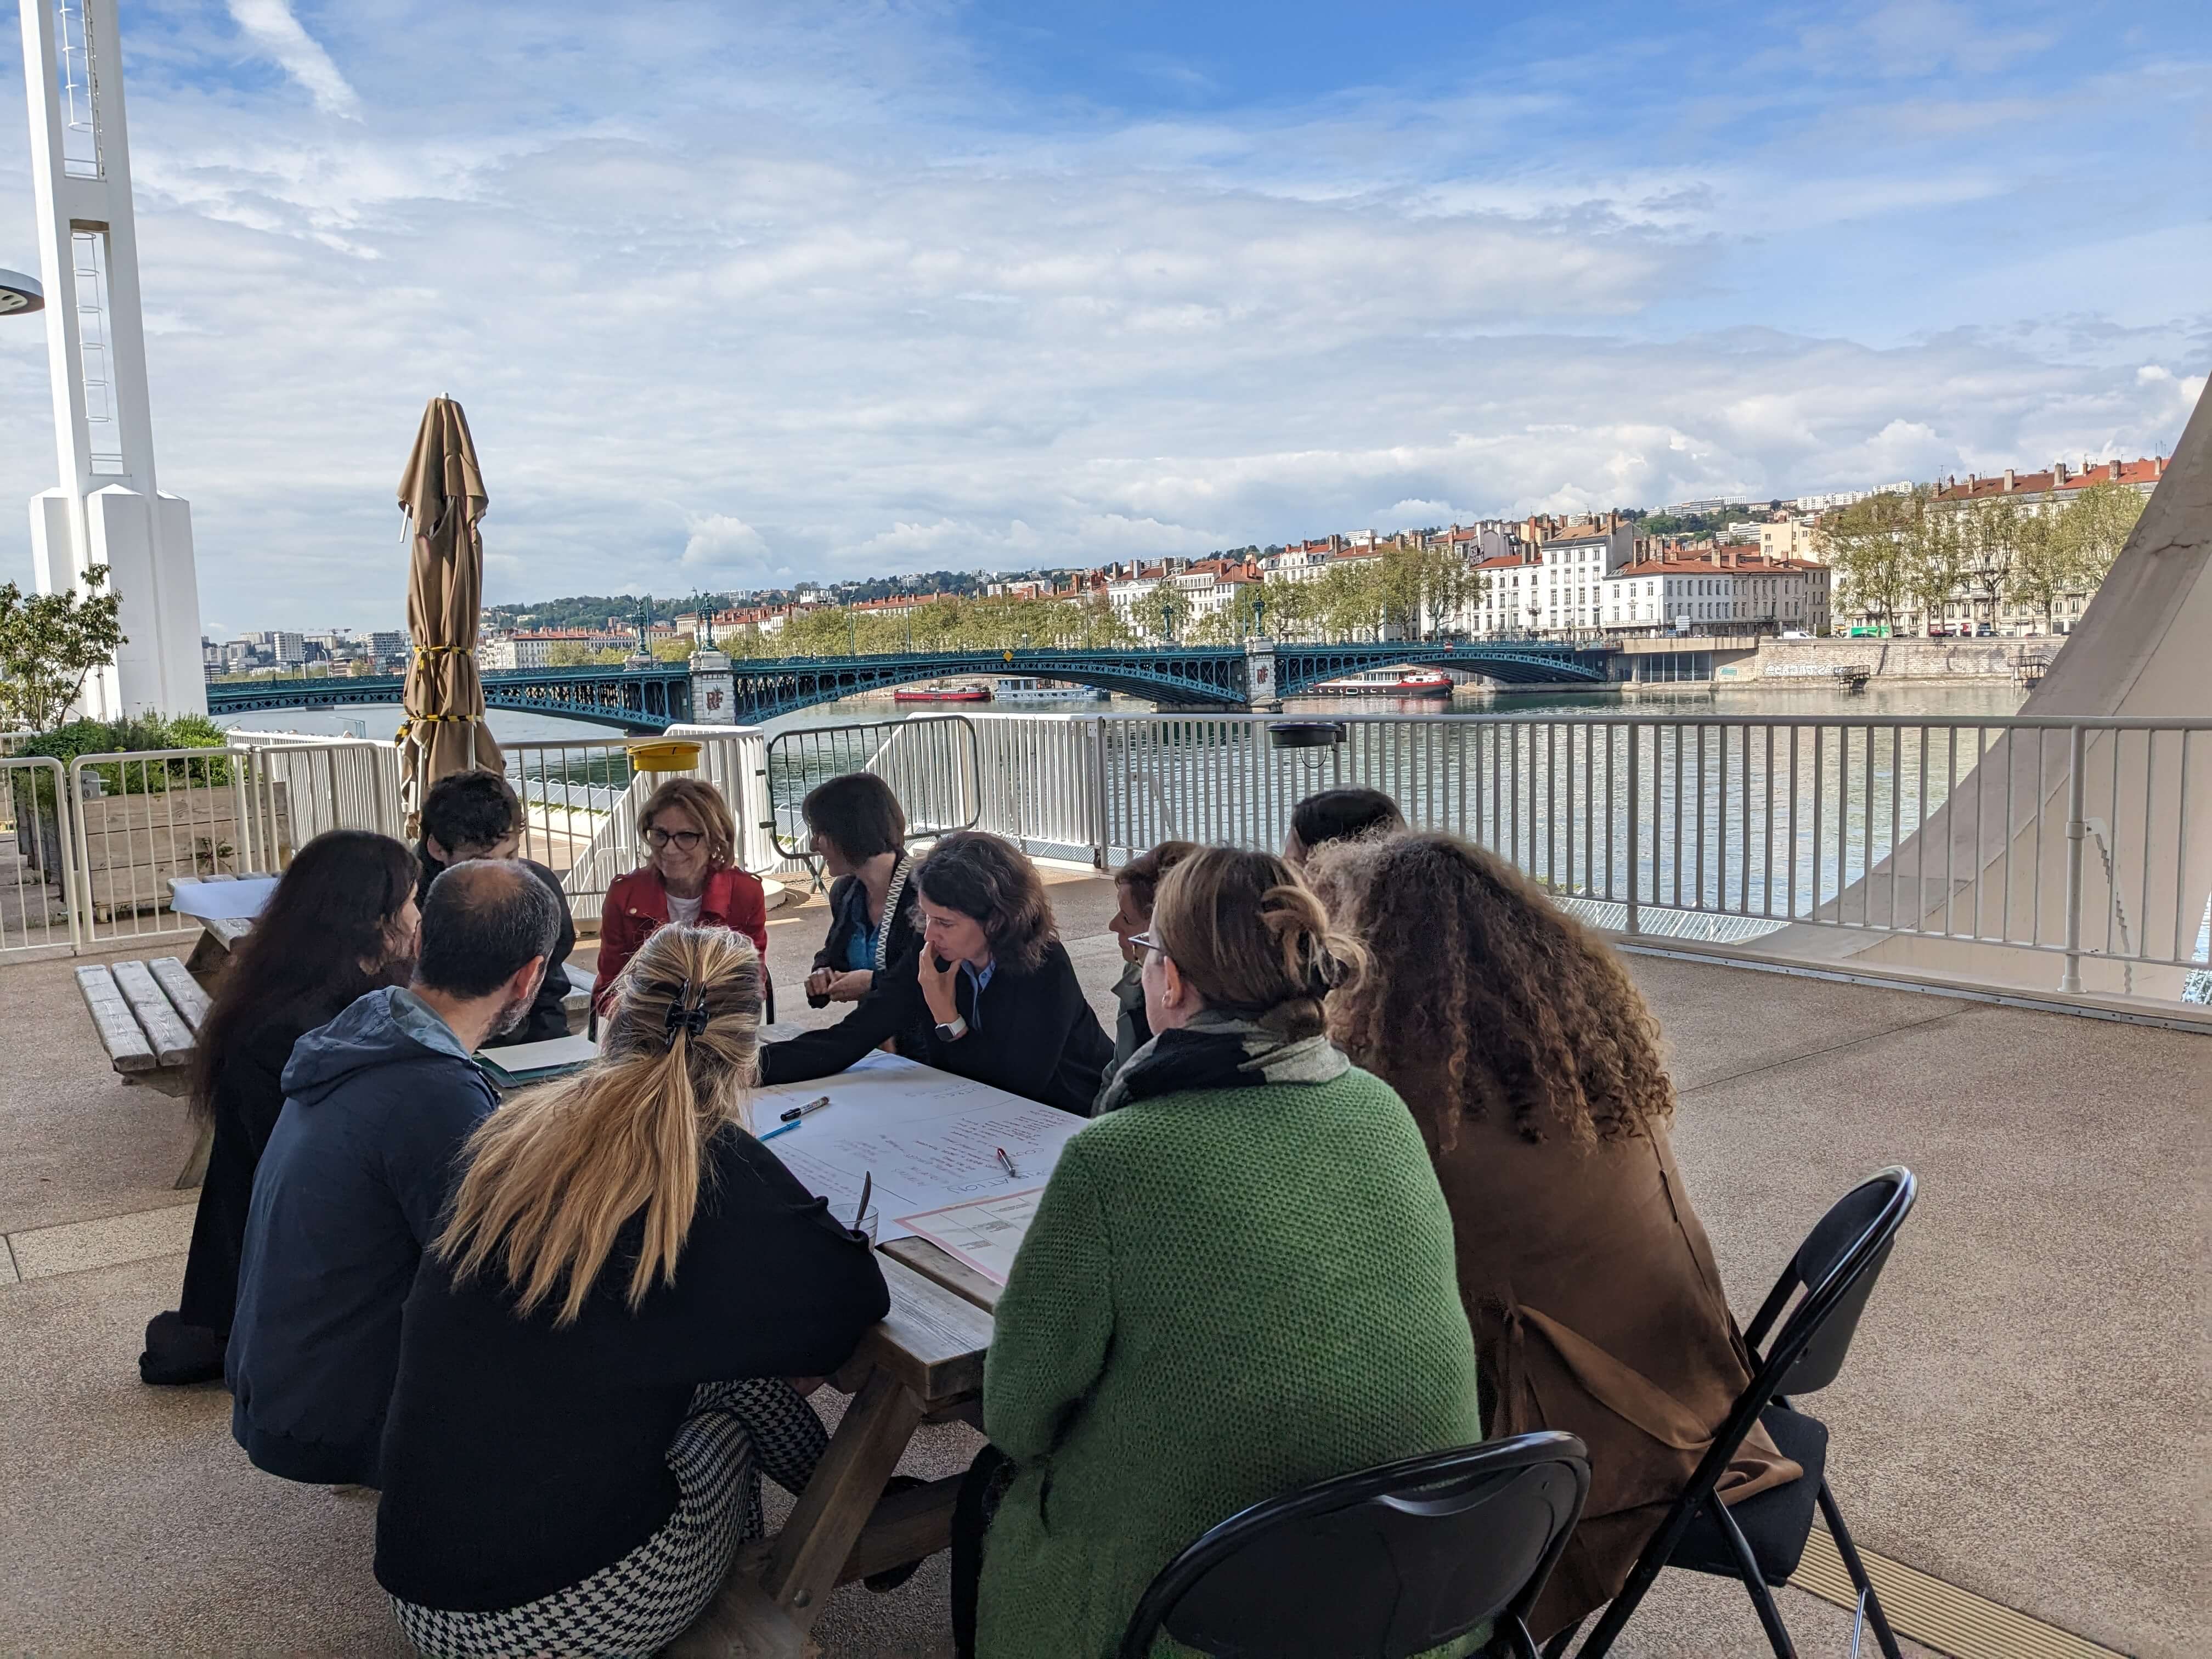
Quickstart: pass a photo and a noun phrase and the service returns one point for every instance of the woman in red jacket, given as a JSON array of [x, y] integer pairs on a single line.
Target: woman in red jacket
[[689, 877]]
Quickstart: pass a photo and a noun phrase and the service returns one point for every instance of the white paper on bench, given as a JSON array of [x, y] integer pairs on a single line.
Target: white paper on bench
[[223, 900], [929, 1137]]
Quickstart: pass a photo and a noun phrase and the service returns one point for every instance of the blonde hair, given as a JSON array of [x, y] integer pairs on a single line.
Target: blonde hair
[[553, 1174], [1252, 940], [703, 802]]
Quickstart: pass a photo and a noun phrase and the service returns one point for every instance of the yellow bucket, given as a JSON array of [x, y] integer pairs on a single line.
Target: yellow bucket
[[665, 757]]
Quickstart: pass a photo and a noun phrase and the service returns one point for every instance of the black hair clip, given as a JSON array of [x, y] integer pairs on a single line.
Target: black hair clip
[[681, 1019]]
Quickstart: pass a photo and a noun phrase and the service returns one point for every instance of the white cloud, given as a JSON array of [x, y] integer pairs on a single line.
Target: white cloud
[[273, 27], [722, 548], [805, 299]]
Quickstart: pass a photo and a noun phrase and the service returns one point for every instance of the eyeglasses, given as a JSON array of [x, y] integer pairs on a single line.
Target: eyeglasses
[[683, 839], [1148, 941]]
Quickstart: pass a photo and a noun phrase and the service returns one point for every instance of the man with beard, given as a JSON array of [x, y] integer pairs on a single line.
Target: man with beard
[[376, 1105]]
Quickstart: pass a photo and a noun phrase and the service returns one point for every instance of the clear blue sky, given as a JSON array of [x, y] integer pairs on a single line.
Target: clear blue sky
[[737, 293]]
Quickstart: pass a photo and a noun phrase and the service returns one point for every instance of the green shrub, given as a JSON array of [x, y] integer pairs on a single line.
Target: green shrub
[[146, 733]]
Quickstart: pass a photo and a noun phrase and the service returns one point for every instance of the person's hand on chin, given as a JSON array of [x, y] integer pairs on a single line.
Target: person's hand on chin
[[938, 978]]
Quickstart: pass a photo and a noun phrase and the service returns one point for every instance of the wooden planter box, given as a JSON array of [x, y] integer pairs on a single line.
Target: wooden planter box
[[134, 844]]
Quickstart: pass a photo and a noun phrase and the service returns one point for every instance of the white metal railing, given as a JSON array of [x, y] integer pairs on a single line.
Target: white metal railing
[[1040, 778], [88, 852], [329, 783], [2085, 844], [2086, 841], [142, 820], [931, 763], [38, 874], [580, 802]]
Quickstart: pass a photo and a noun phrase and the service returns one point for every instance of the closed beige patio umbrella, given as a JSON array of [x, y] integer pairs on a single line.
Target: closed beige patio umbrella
[[443, 494]]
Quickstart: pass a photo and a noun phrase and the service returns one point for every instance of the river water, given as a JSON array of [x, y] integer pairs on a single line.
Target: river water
[[1903, 699], [1747, 821]]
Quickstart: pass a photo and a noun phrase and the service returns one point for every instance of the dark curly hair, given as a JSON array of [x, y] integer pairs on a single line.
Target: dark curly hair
[[1471, 964], [991, 882]]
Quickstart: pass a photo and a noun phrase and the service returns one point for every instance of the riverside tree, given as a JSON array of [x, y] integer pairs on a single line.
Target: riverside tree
[[2095, 527], [49, 642], [2072, 546], [1939, 555], [1873, 546], [1998, 535]]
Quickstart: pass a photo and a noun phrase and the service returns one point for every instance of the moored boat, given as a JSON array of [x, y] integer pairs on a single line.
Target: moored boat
[[1388, 683], [1034, 690], [942, 691]]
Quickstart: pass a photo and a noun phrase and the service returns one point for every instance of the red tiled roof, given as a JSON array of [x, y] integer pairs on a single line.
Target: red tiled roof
[[2142, 471]]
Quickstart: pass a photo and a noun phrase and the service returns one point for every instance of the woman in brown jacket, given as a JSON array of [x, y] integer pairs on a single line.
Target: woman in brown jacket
[[1533, 1068]]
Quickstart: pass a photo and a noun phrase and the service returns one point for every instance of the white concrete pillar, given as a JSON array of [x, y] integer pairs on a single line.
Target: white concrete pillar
[[108, 508]]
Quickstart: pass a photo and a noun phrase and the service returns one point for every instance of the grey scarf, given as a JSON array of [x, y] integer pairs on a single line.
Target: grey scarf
[[1219, 1050]]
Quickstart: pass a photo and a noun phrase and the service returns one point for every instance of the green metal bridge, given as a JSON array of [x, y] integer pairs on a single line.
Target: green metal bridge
[[651, 699]]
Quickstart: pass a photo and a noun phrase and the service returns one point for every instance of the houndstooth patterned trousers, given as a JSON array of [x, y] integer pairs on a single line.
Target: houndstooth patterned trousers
[[735, 1433]]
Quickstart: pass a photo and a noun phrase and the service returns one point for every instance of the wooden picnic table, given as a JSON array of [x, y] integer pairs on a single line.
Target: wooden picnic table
[[923, 1363]]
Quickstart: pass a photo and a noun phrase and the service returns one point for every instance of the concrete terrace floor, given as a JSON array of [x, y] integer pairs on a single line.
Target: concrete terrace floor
[[2024, 1414]]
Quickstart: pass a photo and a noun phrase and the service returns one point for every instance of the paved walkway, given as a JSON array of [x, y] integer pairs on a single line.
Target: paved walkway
[[2025, 1414]]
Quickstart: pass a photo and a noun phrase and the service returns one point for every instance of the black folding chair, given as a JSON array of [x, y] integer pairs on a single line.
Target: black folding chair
[[1379, 1564], [1759, 1541]]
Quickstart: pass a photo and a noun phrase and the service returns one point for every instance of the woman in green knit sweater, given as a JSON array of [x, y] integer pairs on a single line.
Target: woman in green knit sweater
[[1239, 1281]]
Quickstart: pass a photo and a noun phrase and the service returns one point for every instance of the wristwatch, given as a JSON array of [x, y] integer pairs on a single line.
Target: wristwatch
[[953, 1032]]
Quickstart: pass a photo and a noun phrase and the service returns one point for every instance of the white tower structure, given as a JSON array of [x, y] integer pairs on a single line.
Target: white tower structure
[[107, 509]]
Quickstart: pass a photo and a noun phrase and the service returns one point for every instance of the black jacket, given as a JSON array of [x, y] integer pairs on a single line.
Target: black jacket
[[848, 914], [547, 1018], [523, 1456], [1036, 1037], [248, 1093]]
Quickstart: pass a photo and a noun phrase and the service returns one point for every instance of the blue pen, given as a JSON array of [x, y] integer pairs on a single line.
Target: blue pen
[[783, 1129]]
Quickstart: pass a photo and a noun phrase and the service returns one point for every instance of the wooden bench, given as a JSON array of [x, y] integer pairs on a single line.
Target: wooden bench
[[149, 1015]]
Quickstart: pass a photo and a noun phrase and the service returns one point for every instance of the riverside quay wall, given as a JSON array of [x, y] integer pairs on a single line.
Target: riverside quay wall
[[1815, 662]]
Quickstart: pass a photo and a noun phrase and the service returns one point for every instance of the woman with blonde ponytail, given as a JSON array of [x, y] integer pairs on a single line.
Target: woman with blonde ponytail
[[1239, 1281], [592, 1369]]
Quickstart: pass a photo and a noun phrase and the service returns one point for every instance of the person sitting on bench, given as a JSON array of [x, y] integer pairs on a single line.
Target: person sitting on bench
[[376, 1105], [594, 1364], [477, 815], [342, 922], [991, 993]]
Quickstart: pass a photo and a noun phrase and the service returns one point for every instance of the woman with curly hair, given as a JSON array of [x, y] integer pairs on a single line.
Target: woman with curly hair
[[991, 988], [1533, 1068]]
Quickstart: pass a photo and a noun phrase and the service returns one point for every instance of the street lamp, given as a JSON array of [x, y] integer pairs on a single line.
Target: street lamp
[[19, 292]]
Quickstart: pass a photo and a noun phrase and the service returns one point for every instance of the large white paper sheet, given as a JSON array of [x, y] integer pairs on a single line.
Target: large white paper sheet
[[223, 900], [929, 1139], [985, 1233]]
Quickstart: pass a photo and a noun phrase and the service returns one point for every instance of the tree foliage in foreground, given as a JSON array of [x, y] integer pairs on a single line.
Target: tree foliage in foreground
[[49, 642]]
